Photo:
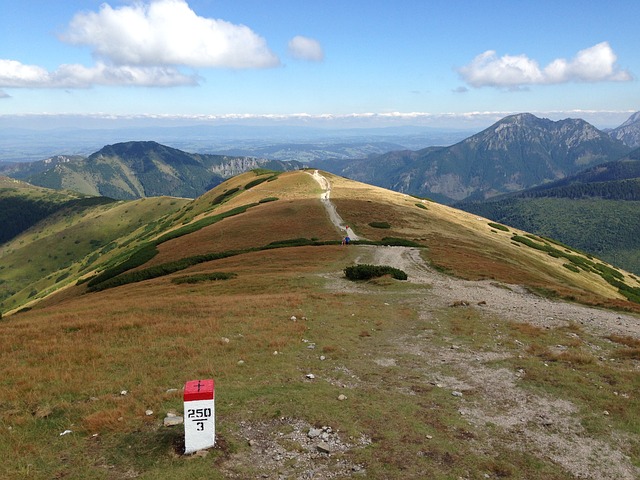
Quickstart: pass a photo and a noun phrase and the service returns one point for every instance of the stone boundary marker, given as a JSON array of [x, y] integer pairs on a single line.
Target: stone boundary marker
[[199, 415]]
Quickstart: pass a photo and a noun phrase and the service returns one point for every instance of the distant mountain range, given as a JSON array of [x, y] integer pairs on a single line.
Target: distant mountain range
[[138, 169], [516, 153]]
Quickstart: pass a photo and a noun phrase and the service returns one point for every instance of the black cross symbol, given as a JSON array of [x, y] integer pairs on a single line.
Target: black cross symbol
[[199, 385]]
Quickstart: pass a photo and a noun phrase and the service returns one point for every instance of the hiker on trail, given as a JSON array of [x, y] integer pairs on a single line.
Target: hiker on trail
[[347, 240]]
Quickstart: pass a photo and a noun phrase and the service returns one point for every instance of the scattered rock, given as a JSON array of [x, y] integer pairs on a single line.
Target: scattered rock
[[342, 397], [322, 357], [314, 432], [323, 447], [66, 432], [240, 362], [225, 340], [455, 393], [123, 392], [310, 376], [148, 413], [172, 420], [294, 318]]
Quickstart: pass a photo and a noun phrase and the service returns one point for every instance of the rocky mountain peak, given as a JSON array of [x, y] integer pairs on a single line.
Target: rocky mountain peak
[[629, 131]]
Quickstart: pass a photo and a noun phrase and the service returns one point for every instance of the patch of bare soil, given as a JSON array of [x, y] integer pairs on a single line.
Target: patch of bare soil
[[290, 448]]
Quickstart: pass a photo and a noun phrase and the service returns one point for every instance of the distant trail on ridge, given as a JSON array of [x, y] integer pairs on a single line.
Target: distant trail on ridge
[[330, 207]]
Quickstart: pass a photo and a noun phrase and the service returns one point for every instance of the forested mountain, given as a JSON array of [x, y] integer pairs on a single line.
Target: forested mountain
[[629, 131], [139, 169], [595, 210], [518, 152]]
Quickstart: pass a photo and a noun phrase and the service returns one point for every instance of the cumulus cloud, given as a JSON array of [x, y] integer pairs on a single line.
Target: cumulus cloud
[[593, 64], [167, 32], [145, 44], [17, 75], [305, 48]]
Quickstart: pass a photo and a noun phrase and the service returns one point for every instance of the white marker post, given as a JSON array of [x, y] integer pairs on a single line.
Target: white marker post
[[199, 415]]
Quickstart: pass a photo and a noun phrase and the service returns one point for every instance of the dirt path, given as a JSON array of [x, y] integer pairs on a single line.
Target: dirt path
[[330, 207], [507, 301]]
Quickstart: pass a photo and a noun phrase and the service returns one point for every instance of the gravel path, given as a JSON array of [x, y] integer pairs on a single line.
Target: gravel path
[[512, 302], [330, 207]]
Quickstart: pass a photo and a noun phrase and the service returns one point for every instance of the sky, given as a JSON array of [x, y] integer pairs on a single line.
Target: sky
[[451, 64]]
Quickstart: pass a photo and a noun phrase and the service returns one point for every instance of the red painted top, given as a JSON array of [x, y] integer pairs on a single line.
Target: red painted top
[[198, 390]]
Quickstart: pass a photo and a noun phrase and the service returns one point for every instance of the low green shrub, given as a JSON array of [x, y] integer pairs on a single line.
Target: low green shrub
[[498, 226], [379, 225], [257, 181], [292, 242], [222, 197], [367, 272], [398, 242], [139, 257], [204, 277], [421, 205], [571, 267], [268, 199]]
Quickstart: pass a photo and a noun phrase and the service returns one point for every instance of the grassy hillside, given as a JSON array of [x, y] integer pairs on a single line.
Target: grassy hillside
[[408, 377], [71, 242], [23, 205], [594, 211]]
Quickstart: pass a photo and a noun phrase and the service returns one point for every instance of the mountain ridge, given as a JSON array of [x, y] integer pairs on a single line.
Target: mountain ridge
[[139, 169], [629, 131], [516, 152]]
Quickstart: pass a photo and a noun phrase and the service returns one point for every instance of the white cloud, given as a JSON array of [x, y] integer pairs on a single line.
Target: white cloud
[[14, 74], [593, 64], [167, 32], [145, 44], [305, 48]]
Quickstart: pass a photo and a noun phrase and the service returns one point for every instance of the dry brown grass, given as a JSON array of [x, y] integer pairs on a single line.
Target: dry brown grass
[[257, 227]]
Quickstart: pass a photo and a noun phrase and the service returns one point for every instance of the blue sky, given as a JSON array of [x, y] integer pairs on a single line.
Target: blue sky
[[326, 62]]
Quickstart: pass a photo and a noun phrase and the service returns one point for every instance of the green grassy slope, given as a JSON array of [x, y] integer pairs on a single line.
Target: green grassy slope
[[69, 243], [23, 205], [595, 211]]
